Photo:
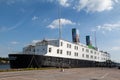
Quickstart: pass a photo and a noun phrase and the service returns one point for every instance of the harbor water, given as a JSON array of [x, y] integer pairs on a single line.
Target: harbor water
[[4, 66]]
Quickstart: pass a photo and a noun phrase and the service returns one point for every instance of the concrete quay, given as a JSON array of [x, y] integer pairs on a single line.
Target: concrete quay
[[67, 74]]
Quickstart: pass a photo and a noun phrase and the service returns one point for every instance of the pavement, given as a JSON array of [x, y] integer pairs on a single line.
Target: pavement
[[66, 74]]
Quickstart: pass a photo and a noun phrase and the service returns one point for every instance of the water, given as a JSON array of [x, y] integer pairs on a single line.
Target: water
[[5, 66]]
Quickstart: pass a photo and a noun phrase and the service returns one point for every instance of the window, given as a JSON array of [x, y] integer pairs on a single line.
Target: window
[[95, 57], [60, 51], [94, 52], [50, 49], [55, 42], [91, 51], [57, 51], [61, 43], [82, 55], [68, 45], [33, 50], [98, 53], [69, 53], [75, 54], [76, 47], [37, 50], [87, 56], [87, 50], [91, 57], [82, 49]]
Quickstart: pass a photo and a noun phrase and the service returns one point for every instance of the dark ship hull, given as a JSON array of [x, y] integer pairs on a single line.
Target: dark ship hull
[[37, 61]]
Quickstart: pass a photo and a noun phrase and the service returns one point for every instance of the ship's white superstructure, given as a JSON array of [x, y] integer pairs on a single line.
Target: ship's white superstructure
[[66, 49]]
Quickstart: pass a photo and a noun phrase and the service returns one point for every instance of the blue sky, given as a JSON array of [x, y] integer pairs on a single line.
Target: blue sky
[[25, 21]]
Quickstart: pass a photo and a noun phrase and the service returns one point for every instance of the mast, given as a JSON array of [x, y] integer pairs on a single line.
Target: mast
[[60, 29], [59, 12], [95, 40]]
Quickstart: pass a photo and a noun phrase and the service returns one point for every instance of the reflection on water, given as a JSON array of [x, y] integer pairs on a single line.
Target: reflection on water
[[4, 66]]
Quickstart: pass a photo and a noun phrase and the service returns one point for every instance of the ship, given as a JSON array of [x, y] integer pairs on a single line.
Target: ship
[[60, 53]]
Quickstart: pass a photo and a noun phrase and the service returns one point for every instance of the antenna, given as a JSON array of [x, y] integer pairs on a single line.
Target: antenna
[[95, 39], [59, 12]]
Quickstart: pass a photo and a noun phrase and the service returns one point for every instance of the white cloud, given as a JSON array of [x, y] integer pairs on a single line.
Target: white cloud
[[116, 48], [14, 42], [116, 1], [35, 18], [35, 41], [89, 5], [63, 22], [95, 5], [64, 3], [109, 27], [3, 28]]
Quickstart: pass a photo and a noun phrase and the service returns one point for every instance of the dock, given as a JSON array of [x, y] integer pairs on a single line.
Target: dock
[[66, 74]]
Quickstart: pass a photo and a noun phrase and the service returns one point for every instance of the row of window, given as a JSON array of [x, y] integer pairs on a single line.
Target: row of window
[[90, 56], [69, 53], [76, 48], [87, 50], [69, 46], [60, 52], [104, 58], [75, 54], [105, 55], [35, 50]]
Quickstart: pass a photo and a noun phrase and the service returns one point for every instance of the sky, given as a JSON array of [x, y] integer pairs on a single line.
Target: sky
[[26, 21]]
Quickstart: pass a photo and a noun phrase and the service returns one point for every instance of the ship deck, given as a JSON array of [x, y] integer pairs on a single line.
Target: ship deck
[[68, 74]]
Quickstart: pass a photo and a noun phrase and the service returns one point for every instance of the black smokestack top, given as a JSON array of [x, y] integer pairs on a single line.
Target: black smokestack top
[[75, 35], [88, 42]]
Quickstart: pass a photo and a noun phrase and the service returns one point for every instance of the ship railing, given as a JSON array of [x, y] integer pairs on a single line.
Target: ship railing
[[16, 52], [28, 52]]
